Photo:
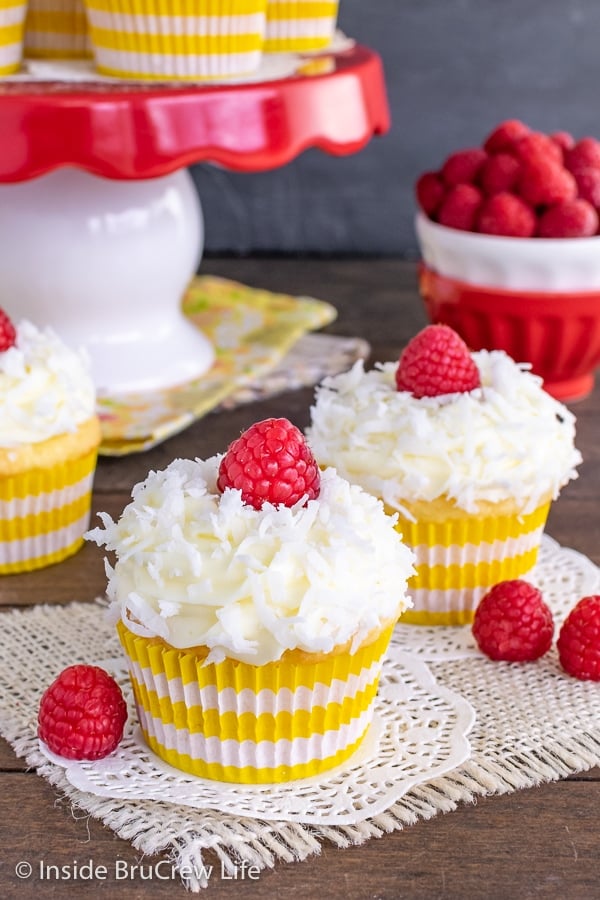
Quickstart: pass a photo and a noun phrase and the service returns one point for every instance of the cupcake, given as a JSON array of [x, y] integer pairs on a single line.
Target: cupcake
[[49, 437], [56, 29], [255, 600], [508, 233], [300, 25], [142, 39], [12, 23], [469, 450]]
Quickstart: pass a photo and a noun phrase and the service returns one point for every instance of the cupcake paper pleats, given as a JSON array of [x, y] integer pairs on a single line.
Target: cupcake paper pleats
[[212, 38], [56, 29], [12, 23], [235, 722], [44, 513], [460, 559], [300, 25]]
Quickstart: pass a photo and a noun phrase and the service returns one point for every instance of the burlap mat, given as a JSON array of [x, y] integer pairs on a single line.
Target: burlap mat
[[533, 724]]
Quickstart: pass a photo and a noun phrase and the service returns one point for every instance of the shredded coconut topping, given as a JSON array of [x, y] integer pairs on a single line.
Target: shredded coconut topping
[[200, 568], [508, 439], [45, 388]]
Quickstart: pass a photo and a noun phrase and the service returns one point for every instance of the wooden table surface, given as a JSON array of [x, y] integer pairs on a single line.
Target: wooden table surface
[[541, 842]]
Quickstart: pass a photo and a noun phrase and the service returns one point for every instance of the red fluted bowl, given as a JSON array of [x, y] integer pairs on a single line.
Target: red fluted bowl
[[559, 334], [539, 300]]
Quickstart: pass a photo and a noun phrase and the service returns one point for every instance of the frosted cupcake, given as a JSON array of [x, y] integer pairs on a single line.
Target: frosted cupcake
[[468, 448], [197, 39], [56, 29], [12, 25], [300, 25], [255, 617], [49, 437]]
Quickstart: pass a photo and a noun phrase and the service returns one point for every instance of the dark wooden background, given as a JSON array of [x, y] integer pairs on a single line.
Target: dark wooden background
[[454, 68]]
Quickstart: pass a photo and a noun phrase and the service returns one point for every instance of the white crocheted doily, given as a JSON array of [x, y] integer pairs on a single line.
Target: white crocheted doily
[[419, 732], [562, 575]]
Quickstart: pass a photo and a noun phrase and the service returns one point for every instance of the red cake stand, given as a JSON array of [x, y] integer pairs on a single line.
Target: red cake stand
[[100, 224]]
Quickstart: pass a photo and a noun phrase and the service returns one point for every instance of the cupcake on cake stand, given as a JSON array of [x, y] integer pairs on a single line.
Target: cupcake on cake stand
[[101, 228]]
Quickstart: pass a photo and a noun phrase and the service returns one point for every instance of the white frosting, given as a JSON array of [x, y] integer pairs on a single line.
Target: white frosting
[[197, 567], [45, 388], [507, 439]]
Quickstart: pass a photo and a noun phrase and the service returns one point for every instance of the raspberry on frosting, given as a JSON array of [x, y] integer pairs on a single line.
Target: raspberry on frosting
[[436, 361], [8, 334], [270, 463]]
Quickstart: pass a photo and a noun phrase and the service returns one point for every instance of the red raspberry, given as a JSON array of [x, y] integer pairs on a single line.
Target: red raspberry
[[435, 362], [513, 623], [270, 463], [585, 154], [463, 167], [579, 640], [499, 173], [543, 182], [8, 335], [588, 185], [430, 192], [536, 146], [505, 136], [82, 714], [460, 207], [564, 140], [506, 215], [575, 218]]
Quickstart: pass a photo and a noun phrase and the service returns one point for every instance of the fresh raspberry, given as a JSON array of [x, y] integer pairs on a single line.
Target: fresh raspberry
[[575, 218], [513, 623], [460, 207], [588, 185], [543, 182], [579, 640], [430, 192], [507, 215], [499, 173], [536, 146], [82, 714], [270, 463], [435, 362], [505, 136], [564, 140], [585, 154], [8, 334], [463, 167]]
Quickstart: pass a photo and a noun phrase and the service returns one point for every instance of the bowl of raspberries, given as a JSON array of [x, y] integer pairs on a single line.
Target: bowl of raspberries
[[509, 234]]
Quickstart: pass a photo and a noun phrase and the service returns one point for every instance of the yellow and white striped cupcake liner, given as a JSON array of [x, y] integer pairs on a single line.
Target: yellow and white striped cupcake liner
[[56, 29], [44, 514], [235, 722], [460, 559], [300, 25], [182, 39], [12, 25]]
